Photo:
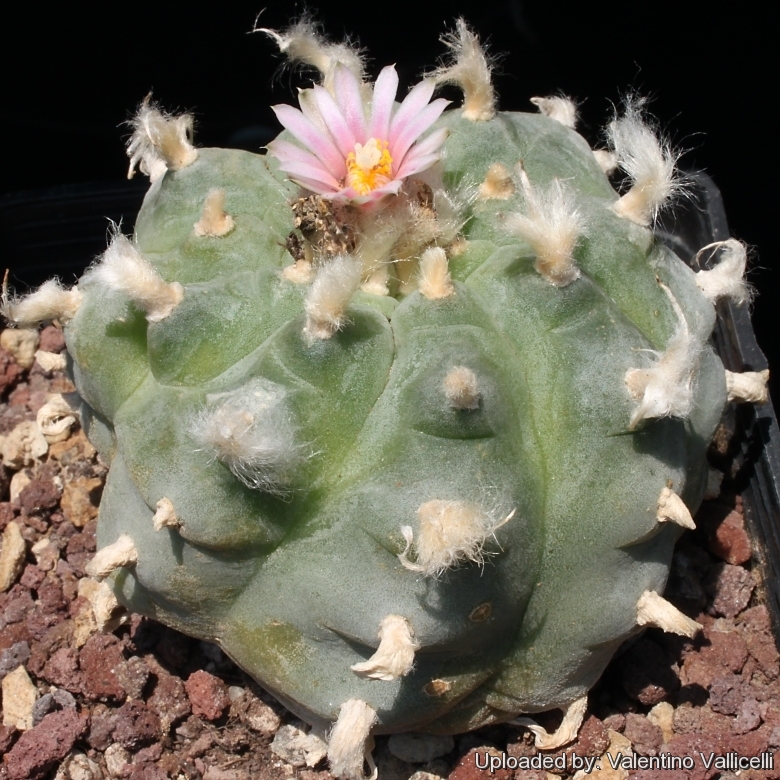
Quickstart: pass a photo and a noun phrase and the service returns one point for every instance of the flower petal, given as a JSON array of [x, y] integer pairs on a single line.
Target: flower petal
[[334, 120], [285, 151], [415, 164], [347, 88], [312, 138], [297, 170], [430, 143], [382, 104], [413, 128], [413, 103]]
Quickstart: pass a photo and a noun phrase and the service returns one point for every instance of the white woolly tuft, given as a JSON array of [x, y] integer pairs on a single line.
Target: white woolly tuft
[[303, 42], [552, 226], [450, 532], [435, 281], [727, 278], [350, 743], [653, 610], [559, 107], [213, 220], [52, 361], [120, 553], [330, 293], [498, 184], [470, 70], [672, 508], [160, 141], [395, 655], [461, 388], [567, 732], [56, 417], [51, 301], [165, 515], [606, 160], [649, 161], [665, 389], [748, 387], [123, 269], [251, 431]]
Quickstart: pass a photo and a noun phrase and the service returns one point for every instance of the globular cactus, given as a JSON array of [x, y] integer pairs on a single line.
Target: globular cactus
[[408, 413]]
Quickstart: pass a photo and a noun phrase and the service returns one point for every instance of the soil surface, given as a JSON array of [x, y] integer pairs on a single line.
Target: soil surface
[[144, 702]]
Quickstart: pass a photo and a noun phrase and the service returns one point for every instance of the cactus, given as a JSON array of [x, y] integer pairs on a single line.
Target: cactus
[[408, 413]]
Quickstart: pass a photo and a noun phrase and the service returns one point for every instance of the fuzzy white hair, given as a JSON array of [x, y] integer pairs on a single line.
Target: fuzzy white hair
[[649, 161], [160, 141], [303, 42], [251, 431], [329, 295], [51, 301], [552, 226], [665, 389], [727, 278], [214, 221], [470, 69], [461, 388], [748, 387], [350, 743], [497, 184], [558, 107], [123, 269], [450, 532], [435, 281], [395, 655]]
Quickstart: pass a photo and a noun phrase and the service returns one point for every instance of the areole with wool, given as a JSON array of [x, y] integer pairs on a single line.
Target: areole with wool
[[408, 413]]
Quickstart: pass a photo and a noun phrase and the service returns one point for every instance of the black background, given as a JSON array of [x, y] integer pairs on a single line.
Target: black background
[[71, 76]]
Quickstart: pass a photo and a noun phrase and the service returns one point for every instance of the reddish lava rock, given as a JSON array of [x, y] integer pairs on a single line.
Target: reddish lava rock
[[731, 588], [647, 672], [466, 768], [644, 735], [38, 749], [9, 370], [99, 659], [727, 538], [136, 725], [208, 695]]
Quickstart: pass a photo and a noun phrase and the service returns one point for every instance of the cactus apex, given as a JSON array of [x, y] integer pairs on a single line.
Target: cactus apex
[[558, 107], [120, 553], [461, 388], [552, 226], [213, 220], [672, 508], [435, 281], [748, 386], [470, 69], [350, 743], [653, 610], [395, 655], [573, 716], [497, 185], [165, 516], [123, 269]]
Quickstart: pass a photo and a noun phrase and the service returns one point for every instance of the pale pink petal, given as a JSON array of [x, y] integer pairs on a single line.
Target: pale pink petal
[[382, 104], [285, 151], [314, 186], [312, 138], [417, 163], [412, 104], [350, 100], [349, 195], [339, 130], [300, 170], [429, 144], [414, 127], [310, 109]]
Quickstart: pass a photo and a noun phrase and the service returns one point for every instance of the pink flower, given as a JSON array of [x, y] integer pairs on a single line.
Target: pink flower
[[350, 157]]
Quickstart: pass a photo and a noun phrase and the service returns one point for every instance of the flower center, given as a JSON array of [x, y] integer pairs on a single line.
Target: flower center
[[369, 166]]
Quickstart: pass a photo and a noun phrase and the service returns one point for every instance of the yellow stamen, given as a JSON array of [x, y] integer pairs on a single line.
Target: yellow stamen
[[369, 166]]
